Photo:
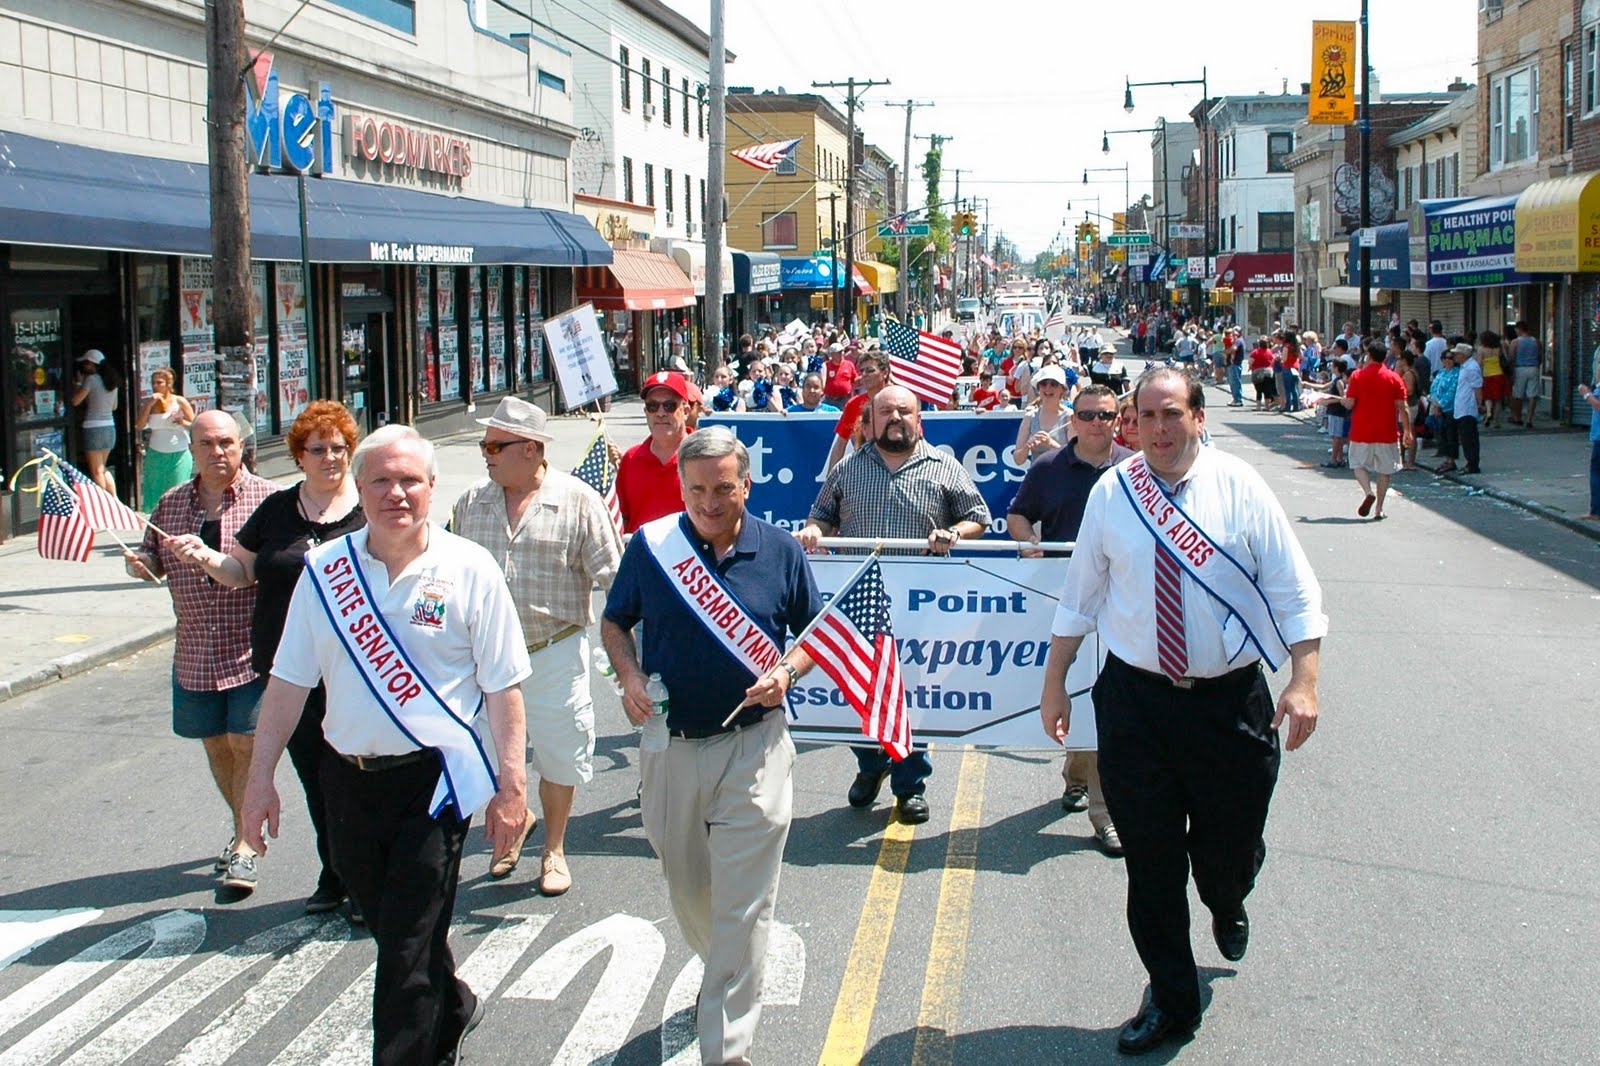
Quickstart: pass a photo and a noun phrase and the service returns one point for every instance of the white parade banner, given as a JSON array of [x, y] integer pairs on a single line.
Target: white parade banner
[[579, 355], [973, 634]]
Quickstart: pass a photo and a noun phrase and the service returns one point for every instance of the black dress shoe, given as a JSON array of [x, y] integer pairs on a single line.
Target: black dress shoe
[[1151, 1028], [913, 810], [1232, 934], [864, 791]]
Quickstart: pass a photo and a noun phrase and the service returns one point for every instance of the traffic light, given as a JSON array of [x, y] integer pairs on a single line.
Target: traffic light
[[963, 222]]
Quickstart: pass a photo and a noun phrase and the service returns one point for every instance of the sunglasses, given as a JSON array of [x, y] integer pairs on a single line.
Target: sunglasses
[[668, 406], [1095, 416], [495, 447], [320, 450]]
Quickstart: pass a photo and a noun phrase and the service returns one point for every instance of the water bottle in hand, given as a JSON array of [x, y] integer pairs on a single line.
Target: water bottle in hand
[[656, 691]]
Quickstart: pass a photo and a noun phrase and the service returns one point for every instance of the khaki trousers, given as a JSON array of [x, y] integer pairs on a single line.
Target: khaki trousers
[[1083, 768], [717, 813]]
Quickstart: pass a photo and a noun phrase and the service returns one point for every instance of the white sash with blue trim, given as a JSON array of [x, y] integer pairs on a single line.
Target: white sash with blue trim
[[1208, 564], [709, 601], [406, 696]]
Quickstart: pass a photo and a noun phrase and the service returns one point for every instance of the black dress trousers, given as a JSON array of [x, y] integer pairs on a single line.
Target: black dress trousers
[[307, 748], [401, 865], [1188, 775]]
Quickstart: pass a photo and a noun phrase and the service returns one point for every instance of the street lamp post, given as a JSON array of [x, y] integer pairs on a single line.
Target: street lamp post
[[1166, 193], [1127, 194], [1205, 100]]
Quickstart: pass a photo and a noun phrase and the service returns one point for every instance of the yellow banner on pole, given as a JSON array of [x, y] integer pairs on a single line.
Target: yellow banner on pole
[[1333, 74]]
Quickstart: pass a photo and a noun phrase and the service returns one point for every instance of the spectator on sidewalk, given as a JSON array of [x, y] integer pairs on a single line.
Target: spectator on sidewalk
[[1593, 400], [1466, 404], [1496, 382], [1527, 366]]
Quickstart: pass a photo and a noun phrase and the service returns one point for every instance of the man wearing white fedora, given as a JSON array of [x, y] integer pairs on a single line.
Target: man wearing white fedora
[[553, 538]]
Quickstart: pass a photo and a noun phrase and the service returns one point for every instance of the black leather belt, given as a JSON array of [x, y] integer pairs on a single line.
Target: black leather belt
[[1232, 677], [746, 719], [386, 762]]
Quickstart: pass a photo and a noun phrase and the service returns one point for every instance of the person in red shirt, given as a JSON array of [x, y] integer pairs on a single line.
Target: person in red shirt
[[839, 377], [848, 430], [986, 397], [1380, 422], [647, 477], [1261, 377]]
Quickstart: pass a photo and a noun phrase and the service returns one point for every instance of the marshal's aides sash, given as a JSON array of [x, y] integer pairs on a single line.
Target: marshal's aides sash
[[1250, 618], [709, 601], [406, 696]]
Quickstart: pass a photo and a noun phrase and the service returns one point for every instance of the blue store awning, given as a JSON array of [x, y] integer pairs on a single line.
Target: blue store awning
[[756, 272], [1390, 257], [68, 196]]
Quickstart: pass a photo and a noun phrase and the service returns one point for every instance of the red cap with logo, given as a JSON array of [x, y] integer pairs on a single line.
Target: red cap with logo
[[670, 380]]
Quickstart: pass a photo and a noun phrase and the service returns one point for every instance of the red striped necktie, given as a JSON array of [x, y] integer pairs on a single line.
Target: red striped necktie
[[1172, 650]]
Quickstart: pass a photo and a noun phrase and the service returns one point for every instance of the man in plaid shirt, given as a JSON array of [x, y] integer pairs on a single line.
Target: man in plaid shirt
[[897, 486], [215, 693]]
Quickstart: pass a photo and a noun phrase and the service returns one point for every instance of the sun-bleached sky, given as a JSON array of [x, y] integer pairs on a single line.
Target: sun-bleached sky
[[1025, 87]]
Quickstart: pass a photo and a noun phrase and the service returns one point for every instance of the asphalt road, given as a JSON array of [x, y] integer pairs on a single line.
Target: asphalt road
[[1429, 894]]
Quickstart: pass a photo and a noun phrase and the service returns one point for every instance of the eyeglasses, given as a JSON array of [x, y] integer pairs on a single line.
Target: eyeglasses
[[668, 406], [495, 447], [1095, 416], [336, 450]]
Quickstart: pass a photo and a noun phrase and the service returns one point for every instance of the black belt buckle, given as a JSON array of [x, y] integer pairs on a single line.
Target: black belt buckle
[[374, 763], [707, 734], [1185, 683]]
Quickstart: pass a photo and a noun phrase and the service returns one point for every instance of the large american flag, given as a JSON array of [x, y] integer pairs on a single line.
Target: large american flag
[[765, 156], [101, 509], [64, 533], [925, 364], [600, 473], [852, 640]]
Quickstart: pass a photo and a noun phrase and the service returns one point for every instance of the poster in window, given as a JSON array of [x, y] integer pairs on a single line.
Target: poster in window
[[427, 355], [476, 383], [444, 303], [497, 356], [261, 385], [535, 364], [293, 393], [519, 324], [496, 281], [152, 356], [194, 318]]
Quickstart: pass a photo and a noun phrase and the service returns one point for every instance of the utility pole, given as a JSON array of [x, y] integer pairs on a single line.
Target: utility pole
[[955, 253], [1366, 181], [711, 346], [833, 248], [935, 141], [850, 86], [232, 321], [905, 208]]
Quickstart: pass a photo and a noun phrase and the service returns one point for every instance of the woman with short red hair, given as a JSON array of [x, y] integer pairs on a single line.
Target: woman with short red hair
[[270, 552]]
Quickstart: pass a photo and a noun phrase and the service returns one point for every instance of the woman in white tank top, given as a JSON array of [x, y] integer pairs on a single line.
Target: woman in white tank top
[[167, 462]]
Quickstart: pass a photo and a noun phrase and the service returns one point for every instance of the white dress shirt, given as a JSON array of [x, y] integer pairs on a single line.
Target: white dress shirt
[[1110, 583], [452, 612]]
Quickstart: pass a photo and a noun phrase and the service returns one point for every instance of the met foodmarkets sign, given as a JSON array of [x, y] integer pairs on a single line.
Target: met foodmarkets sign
[[286, 130]]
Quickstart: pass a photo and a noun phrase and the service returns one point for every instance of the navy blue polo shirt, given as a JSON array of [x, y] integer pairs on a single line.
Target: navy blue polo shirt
[[1056, 489], [766, 572]]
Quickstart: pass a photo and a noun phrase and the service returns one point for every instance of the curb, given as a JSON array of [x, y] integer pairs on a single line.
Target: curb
[[83, 661]]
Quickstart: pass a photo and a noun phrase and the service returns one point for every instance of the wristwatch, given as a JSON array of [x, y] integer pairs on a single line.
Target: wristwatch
[[794, 675]]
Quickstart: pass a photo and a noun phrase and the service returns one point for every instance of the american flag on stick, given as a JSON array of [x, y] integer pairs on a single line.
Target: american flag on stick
[[897, 224], [852, 640], [1057, 318], [64, 533], [986, 261], [600, 473], [925, 364], [765, 156], [100, 509]]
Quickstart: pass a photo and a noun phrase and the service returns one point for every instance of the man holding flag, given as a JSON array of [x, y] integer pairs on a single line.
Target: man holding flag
[[897, 486], [717, 590]]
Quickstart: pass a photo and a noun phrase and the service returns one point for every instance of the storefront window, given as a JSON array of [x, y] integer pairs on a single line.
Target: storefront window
[[194, 321], [152, 318], [36, 367], [475, 326], [444, 305], [260, 405], [427, 354], [294, 363], [497, 328], [534, 368]]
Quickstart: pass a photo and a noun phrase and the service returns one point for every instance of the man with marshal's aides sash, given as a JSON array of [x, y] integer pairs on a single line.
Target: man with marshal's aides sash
[[414, 632], [717, 590], [1189, 570]]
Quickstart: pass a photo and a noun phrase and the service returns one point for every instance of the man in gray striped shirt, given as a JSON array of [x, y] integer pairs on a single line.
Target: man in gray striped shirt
[[897, 486]]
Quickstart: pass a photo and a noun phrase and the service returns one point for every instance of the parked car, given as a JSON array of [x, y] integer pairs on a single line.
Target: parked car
[[967, 310]]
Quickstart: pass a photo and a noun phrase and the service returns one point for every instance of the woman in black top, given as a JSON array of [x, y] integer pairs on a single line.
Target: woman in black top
[[270, 552]]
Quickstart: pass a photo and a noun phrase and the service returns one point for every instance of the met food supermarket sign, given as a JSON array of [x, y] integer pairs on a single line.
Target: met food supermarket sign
[[286, 130], [376, 140]]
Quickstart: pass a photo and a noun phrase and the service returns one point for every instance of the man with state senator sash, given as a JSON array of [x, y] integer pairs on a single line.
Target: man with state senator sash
[[414, 633], [717, 590]]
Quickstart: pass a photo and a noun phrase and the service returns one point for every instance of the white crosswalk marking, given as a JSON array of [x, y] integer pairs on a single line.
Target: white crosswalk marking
[[342, 1034], [168, 939], [122, 1041], [22, 931], [637, 949], [500, 950]]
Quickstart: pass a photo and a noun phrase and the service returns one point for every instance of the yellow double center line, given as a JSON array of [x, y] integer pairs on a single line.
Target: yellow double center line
[[941, 990]]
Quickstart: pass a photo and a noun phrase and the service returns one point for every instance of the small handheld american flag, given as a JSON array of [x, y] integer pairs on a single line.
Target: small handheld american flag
[[64, 533], [852, 640], [598, 472], [101, 509]]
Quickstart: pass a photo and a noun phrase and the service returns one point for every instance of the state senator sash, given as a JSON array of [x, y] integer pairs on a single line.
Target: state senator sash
[[1207, 563], [399, 687], [709, 601]]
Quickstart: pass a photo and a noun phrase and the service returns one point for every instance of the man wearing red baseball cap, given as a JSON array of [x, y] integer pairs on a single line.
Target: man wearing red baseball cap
[[647, 478]]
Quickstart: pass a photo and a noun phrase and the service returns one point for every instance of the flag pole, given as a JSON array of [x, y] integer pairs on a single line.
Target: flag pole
[[806, 632]]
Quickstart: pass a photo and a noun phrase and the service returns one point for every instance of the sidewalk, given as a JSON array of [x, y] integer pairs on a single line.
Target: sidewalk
[[58, 619]]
